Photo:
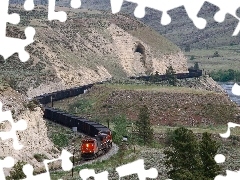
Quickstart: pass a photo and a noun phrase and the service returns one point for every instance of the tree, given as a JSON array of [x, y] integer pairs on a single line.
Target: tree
[[182, 157], [16, 172], [216, 54], [143, 126], [188, 159], [196, 66], [120, 128], [171, 77], [208, 149], [192, 57]]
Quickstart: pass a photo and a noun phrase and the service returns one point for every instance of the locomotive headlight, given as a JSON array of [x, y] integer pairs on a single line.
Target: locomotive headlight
[[87, 145]]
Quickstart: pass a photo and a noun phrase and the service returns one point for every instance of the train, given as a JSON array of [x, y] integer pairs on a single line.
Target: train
[[97, 133], [99, 140], [193, 73]]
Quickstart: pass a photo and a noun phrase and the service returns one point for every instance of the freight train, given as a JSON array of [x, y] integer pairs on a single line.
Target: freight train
[[97, 133], [100, 137], [193, 73]]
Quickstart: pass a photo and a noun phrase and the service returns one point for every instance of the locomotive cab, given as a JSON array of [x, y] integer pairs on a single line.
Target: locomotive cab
[[89, 148]]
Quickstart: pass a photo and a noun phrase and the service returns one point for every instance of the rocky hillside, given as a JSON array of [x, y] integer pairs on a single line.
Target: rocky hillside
[[34, 138], [90, 46]]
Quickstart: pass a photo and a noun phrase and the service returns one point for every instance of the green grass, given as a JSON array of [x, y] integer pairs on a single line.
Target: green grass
[[215, 129], [229, 58], [157, 88]]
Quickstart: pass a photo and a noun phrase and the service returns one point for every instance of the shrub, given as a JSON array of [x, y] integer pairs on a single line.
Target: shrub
[[31, 105], [16, 173], [216, 54], [40, 157], [171, 76], [61, 140]]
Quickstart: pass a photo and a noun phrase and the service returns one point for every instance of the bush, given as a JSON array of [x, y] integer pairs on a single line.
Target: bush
[[82, 106], [225, 75], [61, 140], [40, 157], [31, 105], [216, 54], [17, 173]]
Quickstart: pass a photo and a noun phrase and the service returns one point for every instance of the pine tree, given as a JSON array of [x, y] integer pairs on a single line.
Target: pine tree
[[143, 125], [120, 128], [182, 157], [208, 149], [171, 77]]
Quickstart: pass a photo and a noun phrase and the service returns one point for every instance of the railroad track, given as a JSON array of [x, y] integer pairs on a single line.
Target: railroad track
[[85, 126]]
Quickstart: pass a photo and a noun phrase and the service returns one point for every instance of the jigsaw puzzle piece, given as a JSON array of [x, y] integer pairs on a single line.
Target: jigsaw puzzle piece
[[192, 10], [164, 6], [8, 45], [76, 4], [236, 89], [52, 15], [230, 125], [66, 166], [116, 5], [66, 162], [12, 45], [18, 126], [7, 162], [28, 171], [29, 5], [137, 167], [233, 175], [226, 7], [87, 173]]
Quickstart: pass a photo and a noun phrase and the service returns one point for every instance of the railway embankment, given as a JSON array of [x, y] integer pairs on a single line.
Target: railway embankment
[[167, 105]]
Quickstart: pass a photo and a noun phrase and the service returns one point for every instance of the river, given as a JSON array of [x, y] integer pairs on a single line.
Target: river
[[228, 88]]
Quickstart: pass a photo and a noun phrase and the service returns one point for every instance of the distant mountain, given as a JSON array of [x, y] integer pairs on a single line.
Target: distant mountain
[[181, 30]]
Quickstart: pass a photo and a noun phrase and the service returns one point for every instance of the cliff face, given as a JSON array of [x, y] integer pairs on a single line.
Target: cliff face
[[90, 46], [34, 139]]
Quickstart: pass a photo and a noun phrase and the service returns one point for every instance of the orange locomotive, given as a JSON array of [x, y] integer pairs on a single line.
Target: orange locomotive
[[94, 147]]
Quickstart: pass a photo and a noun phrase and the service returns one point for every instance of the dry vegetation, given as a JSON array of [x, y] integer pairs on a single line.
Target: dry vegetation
[[168, 105]]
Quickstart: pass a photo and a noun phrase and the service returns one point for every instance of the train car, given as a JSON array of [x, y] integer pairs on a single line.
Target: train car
[[108, 133]]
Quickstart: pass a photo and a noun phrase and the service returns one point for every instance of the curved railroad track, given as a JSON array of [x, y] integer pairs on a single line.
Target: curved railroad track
[[85, 126]]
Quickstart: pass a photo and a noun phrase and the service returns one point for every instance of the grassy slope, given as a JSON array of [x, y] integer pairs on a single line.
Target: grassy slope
[[229, 58], [168, 105]]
